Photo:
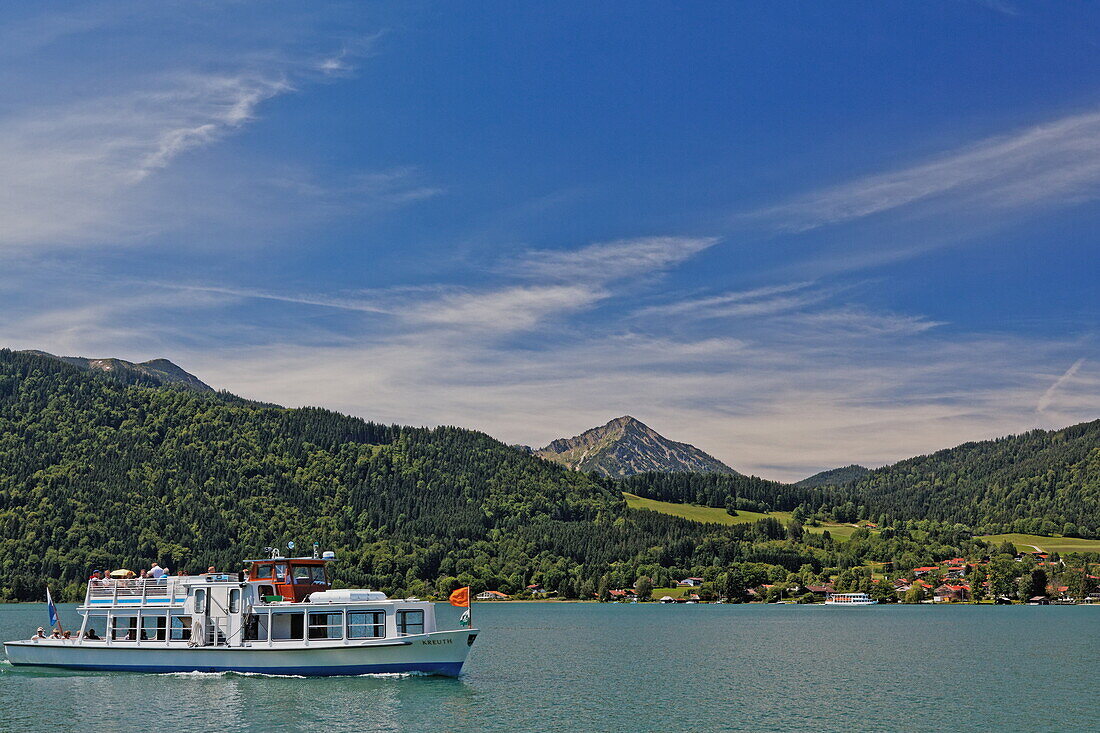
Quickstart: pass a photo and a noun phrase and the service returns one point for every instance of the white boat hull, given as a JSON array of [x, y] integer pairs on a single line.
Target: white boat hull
[[440, 653]]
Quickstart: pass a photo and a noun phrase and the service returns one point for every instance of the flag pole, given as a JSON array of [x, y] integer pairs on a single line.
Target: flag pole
[[55, 617]]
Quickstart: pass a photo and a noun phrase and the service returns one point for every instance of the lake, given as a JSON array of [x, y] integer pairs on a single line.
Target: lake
[[645, 667]]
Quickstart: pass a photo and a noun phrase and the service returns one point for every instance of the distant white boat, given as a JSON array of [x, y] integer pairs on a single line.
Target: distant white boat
[[849, 599]]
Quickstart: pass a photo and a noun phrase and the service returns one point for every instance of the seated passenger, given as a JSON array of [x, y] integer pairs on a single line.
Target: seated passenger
[[156, 571], [40, 634], [55, 634], [90, 634]]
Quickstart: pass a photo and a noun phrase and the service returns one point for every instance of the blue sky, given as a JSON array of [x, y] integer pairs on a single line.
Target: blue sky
[[793, 236]]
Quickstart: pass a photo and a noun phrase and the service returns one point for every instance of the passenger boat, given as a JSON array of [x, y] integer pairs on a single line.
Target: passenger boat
[[849, 599], [278, 617]]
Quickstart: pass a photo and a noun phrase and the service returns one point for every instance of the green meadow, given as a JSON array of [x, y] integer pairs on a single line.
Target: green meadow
[[1024, 542], [714, 515]]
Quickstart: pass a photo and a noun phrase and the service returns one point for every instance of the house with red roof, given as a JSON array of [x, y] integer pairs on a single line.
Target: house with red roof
[[920, 572], [947, 593], [624, 594]]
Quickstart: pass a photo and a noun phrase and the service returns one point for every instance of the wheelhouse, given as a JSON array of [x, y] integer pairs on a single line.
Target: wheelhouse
[[288, 579]]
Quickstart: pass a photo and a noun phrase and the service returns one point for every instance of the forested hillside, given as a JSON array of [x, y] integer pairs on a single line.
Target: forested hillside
[[730, 491], [835, 476], [1041, 482], [111, 471]]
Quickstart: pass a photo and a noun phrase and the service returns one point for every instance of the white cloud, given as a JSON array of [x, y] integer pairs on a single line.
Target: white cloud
[[757, 301], [69, 173], [608, 261], [1052, 163], [503, 310], [1048, 396]]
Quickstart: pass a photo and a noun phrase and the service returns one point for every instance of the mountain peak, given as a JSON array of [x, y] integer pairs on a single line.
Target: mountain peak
[[626, 446], [162, 371]]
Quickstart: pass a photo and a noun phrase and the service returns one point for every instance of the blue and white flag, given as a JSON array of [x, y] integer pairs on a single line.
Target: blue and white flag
[[52, 609]]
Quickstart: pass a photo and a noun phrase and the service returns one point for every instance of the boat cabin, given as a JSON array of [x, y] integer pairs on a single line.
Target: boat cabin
[[294, 606], [288, 579]]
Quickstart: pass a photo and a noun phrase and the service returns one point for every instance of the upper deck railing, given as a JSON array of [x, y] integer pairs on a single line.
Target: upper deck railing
[[135, 592]]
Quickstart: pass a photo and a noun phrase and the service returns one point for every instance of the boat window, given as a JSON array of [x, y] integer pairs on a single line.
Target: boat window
[[410, 622], [124, 628], [280, 572], [263, 572], [96, 625], [255, 627], [153, 628], [319, 575], [235, 600], [366, 624], [302, 574], [326, 625], [181, 628], [287, 625]]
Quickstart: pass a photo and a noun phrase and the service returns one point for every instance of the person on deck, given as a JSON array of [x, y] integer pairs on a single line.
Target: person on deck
[[40, 634], [90, 634], [156, 571]]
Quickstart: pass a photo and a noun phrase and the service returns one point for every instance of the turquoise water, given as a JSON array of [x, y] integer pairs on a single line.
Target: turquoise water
[[610, 667]]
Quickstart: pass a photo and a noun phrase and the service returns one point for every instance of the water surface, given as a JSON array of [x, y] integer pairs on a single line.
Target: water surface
[[646, 667]]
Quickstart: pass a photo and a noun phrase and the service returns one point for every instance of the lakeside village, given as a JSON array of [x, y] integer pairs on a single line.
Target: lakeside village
[[1034, 578]]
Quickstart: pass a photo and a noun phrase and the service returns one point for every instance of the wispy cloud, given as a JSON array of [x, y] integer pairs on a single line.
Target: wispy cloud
[[92, 166], [566, 282], [1052, 390], [757, 301], [1056, 162], [608, 261], [504, 310], [373, 189]]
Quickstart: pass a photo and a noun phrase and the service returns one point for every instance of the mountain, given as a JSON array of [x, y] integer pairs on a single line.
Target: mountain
[[160, 371], [835, 476], [624, 447]]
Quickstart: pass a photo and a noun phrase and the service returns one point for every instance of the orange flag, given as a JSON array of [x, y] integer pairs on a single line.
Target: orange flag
[[461, 597]]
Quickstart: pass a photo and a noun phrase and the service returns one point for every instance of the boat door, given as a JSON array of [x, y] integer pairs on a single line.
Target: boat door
[[234, 635], [219, 617], [199, 606]]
